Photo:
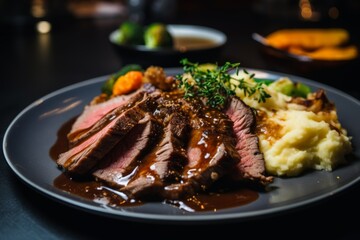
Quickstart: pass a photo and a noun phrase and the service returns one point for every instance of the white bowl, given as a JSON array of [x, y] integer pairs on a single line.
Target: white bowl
[[170, 57]]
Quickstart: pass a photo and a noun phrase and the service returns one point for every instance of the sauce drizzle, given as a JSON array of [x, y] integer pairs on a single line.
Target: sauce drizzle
[[217, 199]]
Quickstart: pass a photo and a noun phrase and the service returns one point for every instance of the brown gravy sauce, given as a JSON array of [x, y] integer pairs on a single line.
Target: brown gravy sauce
[[218, 198]]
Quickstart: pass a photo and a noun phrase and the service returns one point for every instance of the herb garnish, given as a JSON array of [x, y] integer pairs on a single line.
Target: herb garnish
[[216, 85]]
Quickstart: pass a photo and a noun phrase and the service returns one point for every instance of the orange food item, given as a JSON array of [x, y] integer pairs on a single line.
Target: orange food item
[[308, 38], [128, 83], [320, 44], [328, 53]]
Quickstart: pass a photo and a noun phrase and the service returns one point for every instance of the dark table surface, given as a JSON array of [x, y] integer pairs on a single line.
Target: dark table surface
[[33, 65]]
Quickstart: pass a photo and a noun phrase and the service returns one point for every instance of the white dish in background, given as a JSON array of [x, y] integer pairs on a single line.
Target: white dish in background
[[191, 31], [170, 57]]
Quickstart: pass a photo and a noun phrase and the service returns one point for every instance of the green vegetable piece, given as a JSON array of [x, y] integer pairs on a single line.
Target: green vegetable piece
[[287, 87], [131, 33], [126, 69], [157, 35], [108, 85], [267, 82], [301, 90], [284, 85]]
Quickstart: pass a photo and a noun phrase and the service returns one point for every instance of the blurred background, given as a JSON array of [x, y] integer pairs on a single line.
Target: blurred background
[[48, 44]]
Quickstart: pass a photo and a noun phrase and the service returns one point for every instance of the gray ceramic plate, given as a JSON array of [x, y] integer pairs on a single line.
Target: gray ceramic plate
[[35, 130]]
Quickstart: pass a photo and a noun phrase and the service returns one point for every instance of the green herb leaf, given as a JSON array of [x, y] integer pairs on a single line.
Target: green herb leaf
[[215, 85]]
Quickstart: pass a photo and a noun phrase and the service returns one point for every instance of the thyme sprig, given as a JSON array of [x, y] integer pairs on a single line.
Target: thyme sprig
[[216, 85]]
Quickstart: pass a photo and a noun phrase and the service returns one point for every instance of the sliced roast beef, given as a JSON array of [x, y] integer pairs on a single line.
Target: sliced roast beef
[[211, 151], [147, 103], [164, 164], [158, 144], [93, 113], [252, 164], [83, 156], [104, 120], [121, 162]]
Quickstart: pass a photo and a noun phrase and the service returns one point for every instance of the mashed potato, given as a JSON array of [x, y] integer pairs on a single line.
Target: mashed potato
[[295, 137], [303, 141]]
